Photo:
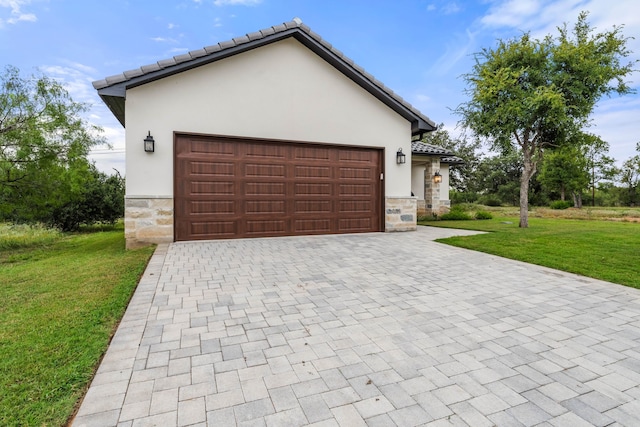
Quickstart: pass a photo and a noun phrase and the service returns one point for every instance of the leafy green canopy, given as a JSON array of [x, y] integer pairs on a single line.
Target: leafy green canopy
[[44, 143], [531, 95]]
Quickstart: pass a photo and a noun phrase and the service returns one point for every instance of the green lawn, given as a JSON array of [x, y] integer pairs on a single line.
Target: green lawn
[[607, 250], [61, 298]]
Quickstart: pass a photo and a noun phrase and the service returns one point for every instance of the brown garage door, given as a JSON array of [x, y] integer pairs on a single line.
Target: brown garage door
[[232, 188]]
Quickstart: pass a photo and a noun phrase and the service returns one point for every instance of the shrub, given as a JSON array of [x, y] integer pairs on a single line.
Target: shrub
[[489, 201], [456, 213], [560, 204], [483, 215]]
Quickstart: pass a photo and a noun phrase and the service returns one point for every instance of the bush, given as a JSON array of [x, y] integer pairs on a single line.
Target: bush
[[101, 201], [456, 213], [560, 204], [483, 215], [490, 201]]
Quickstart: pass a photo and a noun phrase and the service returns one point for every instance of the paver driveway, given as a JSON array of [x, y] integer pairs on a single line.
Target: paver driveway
[[368, 329]]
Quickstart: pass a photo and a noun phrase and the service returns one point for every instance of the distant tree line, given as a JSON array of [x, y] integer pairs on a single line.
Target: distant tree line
[[581, 173], [45, 175]]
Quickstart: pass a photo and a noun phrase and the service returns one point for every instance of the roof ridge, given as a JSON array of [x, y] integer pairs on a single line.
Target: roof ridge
[[194, 54], [296, 24]]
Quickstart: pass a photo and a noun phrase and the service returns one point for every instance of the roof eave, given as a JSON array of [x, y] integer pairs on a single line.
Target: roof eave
[[110, 93]]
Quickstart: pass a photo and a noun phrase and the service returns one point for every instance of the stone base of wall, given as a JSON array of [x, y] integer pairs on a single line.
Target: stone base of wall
[[424, 209], [400, 214], [147, 220]]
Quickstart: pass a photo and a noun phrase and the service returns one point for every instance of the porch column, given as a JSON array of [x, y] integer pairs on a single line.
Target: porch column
[[431, 189]]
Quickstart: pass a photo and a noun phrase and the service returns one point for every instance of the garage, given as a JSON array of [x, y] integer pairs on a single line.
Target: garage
[[234, 188], [276, 133]]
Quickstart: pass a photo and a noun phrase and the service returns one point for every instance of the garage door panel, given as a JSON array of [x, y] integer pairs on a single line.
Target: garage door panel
[[213, 188], [203, 169], [265, 227], [313, 206], [355, 206], [316, 154], [366, 174], [266, 171], [358, 156], [356, 190], [230, 188], [213, 147], [204, 229], [265, 207], [312, 172], [312, 189], [265, 189], [354, 225], [312, 226], [266, 151], [212, 207]]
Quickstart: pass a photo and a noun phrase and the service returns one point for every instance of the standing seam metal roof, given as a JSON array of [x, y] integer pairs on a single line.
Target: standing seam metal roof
[[113, 87]]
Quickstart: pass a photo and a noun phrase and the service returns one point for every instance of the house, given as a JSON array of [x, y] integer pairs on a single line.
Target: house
[[270, 134], [430, 177]]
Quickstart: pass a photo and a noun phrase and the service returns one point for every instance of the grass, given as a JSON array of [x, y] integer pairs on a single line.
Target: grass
[[61, 297], [606, 250], [24, 236]]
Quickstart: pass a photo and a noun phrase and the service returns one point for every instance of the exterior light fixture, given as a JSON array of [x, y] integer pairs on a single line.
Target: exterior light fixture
[[437, 178], [401, 158], [149, 144]]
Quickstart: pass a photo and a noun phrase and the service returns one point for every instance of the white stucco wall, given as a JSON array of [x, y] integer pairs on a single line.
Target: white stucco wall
[[444, 186], [279, 91], [417, 180]]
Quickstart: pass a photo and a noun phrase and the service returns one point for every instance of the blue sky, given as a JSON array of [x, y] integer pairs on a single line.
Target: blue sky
[[418, 48]]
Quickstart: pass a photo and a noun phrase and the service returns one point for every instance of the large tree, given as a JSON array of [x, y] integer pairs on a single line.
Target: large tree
[[44, 143], [532, 95]]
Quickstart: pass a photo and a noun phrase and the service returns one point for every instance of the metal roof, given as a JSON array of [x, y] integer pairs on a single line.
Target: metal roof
[[113, 89], [419, 147]]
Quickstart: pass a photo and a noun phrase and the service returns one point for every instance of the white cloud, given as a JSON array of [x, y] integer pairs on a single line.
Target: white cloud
[[16, 14], [164, 40], [616, 121], [76, 79], [511, 13], [462, 46], [451, 8], [431, 7], [171, 26], [237, 2]]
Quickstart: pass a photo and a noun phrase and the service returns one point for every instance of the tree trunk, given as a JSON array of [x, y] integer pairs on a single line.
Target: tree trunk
[[593, 186], [527, 172], [577, 199], [562, 196]]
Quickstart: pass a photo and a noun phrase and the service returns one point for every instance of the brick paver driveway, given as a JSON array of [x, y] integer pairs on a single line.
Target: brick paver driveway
[[369, 329]]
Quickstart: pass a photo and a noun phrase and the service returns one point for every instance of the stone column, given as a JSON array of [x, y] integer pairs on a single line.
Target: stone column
[[147, 219], [400, 214], [431, 189]]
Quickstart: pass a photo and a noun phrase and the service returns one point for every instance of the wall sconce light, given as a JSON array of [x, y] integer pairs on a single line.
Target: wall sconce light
[[401, 158], [437, 178], [149, 144]]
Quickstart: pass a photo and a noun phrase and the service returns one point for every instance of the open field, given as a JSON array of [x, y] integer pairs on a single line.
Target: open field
[[605, 245], [587, 212], [60, 300]]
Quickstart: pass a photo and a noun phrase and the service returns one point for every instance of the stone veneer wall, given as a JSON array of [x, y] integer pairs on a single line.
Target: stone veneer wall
[[432, 204], [148, 220], [400, 214]]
